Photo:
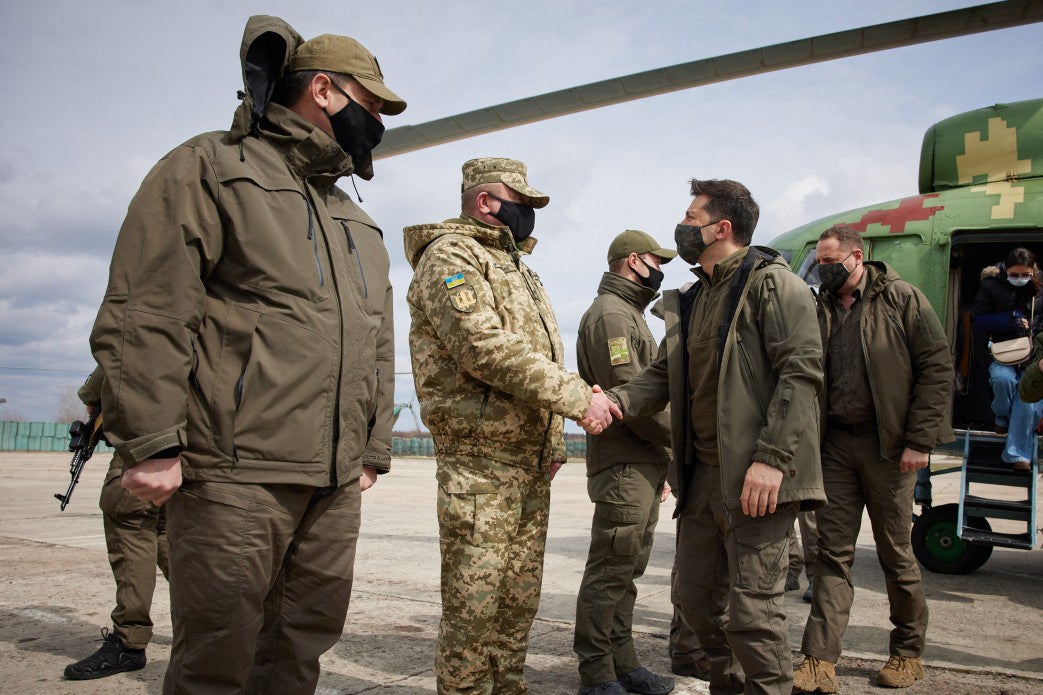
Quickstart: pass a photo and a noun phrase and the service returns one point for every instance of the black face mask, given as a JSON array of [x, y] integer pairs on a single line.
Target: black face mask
[[356, 130], [689, 240], [833, 275], [655, 277], [519, 218]]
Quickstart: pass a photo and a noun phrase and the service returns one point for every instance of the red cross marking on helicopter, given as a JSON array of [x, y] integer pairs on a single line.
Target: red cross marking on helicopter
[[909, 210]]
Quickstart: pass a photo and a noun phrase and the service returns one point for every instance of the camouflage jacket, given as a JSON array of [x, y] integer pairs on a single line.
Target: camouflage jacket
[[613, 346], [487, 355]]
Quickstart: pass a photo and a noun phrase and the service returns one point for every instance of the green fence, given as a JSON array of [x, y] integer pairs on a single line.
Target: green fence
[[54, 436], [37, 436]]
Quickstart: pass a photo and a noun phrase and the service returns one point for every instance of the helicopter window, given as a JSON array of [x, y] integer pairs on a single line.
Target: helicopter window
[[808, 270]]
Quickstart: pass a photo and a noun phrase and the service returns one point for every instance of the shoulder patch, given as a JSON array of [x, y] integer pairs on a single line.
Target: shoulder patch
[[618, 351], [454, 281], [464, 299]]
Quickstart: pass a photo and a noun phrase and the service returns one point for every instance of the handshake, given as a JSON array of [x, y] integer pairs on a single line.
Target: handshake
[[600, 413]]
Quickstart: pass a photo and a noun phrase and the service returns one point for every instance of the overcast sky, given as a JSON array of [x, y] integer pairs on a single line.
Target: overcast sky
[[96, 92]]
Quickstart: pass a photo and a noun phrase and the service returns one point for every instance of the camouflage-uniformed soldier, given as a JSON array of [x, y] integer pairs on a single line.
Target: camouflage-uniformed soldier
[[136, 538], [626, 469], [487, 361]]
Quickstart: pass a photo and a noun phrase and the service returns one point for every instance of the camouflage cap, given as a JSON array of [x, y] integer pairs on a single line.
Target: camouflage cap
[[633, 241], [509, 172], [345, 55]]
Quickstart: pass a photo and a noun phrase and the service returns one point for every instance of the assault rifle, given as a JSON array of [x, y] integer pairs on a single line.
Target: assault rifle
[[85, 436]]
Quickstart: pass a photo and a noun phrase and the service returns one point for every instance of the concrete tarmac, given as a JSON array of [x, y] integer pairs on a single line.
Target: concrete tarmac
[[56, 591]]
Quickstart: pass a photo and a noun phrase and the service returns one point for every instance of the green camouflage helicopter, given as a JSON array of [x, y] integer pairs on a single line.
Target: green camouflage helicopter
[[981, 194]]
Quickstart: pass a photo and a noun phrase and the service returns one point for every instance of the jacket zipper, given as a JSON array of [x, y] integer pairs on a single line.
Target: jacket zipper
[[354, 251], [546, 328], [869, 371], [314, 238], [340, 343]]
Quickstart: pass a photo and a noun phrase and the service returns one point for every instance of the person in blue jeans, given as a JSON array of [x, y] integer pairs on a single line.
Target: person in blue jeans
[[1007, 300]]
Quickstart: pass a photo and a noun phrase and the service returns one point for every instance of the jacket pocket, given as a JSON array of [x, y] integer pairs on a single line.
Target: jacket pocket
[[286, 394]]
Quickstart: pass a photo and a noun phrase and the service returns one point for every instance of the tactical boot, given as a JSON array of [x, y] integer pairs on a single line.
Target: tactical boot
[[900, 672], [609, 688], [815, 675], [643, 681], [792, 581], [700, 668], [111, 658], [810, 591]]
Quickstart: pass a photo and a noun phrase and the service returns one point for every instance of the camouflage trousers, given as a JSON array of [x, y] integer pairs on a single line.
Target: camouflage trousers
[[136, 538], [492, 522]]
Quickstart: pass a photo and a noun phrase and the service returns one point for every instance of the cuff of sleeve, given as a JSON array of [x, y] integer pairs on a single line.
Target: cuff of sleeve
[[923, 449], [771, 459], [137, 451], [379, 462]]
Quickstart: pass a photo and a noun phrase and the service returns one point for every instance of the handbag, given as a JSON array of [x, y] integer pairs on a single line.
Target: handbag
[[1015, 351]]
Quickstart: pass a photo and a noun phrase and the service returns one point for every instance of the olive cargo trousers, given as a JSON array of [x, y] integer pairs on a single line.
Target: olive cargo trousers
[[808, 542], [260, 581], [855, 477], [136, 538], [731, 576], [626, 510], [492, 524]]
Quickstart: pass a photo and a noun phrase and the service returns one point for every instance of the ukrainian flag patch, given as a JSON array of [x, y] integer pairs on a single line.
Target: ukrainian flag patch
[[454, 281]]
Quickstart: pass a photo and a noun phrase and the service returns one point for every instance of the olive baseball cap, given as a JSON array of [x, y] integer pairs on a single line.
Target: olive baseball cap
[[509, 172], [633, 241], [345, 55]]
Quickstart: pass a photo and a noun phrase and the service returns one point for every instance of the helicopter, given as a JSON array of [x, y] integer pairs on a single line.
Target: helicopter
[[980, 195]]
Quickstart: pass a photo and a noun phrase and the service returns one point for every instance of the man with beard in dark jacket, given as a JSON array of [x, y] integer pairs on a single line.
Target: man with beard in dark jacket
[[889, 384], [246, 342]]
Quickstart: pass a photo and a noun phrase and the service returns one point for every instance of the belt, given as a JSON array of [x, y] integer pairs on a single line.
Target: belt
[[858, 428]]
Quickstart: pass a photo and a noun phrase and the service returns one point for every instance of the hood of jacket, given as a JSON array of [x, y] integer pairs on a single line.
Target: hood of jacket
[[267, 46], [418, 237]]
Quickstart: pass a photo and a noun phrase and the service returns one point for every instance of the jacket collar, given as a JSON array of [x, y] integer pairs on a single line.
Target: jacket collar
[[306, 148], [631, 292]]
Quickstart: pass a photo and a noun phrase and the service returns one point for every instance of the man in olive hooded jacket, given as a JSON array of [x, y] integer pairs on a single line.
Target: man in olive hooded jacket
[[741, 368], [246, 343]]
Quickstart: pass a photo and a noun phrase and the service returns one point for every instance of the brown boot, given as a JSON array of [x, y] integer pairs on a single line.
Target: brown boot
[[900, 672], [815, 675]]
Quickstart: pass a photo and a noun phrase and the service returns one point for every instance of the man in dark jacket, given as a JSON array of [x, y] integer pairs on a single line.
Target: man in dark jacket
[[246, 342], [889, 380], [626, 469], [741, 368]]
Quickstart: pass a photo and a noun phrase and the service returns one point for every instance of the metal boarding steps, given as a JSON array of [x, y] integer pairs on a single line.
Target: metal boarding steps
[[982, 464]]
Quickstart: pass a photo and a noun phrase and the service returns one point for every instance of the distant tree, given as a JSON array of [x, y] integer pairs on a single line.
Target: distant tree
[[8, 415], [69, 406]]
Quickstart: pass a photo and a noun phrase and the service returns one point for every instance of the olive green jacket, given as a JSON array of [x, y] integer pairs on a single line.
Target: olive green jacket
[[1031, 385], [767, 395], [908, 362], [247, 318], [487, 355], [613, 345]]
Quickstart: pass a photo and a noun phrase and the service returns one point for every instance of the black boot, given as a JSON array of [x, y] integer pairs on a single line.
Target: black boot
[[111, 658]]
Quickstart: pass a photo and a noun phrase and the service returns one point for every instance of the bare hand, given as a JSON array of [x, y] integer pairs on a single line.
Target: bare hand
[[913, 460], [1023, 324], [600, 412], [555, 466], [368, 478], [665, 493], [760, 489], [154, 480]]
